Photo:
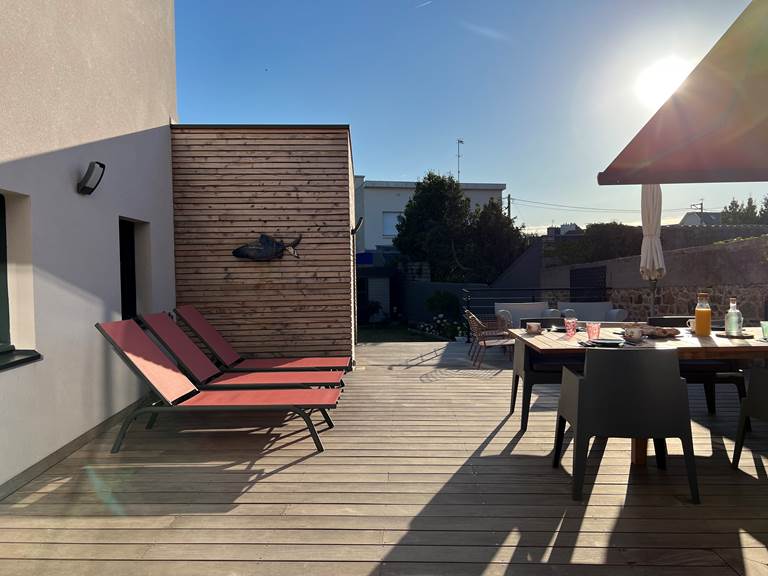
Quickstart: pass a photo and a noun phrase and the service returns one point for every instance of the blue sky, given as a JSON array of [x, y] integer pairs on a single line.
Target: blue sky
[[542, 92]]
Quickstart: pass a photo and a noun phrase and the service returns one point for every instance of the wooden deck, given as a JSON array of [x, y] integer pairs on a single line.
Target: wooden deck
[[423, 474]]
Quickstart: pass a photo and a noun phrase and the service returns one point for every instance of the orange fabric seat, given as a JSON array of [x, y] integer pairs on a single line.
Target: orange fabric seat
[[316, 378], [273, 398]]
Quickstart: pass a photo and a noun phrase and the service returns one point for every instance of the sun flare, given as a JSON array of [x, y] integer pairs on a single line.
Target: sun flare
[[657, 82]]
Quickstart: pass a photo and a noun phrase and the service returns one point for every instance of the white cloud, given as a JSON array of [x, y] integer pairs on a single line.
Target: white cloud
[[484, 31]]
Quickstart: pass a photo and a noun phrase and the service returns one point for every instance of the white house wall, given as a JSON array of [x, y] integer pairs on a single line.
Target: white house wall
[[82, 81]]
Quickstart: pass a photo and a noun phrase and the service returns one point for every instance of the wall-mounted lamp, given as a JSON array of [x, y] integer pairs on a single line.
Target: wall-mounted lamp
[[92, 178], [354, 230]]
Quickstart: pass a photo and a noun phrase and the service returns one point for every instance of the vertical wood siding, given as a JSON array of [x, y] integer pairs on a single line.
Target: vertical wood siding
[[232, 183]]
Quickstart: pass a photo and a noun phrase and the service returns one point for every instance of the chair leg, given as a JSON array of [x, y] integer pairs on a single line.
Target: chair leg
[[709, 393], [559, 436], [151, 421], [326, 417], [526, 405], [515, 382], [660, 447], [741, 390], [480, 357], [690, 466], [580, 448], [311, 428], [124, 428], [740, 434]]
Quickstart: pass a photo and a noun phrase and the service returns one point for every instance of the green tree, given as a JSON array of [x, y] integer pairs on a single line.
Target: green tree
[[438, 227], [745, 212], [600, 241], [434, 226], [763, 215], [495, 242]]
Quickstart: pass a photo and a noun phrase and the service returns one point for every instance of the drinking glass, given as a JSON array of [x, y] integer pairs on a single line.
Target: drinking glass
[[570, 326], [593, 330], [764, 326]]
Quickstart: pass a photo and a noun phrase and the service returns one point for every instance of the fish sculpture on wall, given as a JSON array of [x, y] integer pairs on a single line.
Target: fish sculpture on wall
[[267, 248]]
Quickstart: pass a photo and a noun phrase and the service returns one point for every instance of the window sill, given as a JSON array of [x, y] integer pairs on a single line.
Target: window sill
[[17, 358]]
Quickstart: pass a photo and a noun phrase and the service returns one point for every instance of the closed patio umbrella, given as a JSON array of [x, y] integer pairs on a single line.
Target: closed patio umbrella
[[651, 255]]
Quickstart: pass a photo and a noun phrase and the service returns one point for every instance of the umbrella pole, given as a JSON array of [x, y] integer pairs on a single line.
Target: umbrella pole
[[653, 296]]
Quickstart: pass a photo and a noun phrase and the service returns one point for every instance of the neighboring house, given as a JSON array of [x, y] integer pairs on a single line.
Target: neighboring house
[[701, 219], [381, 202]]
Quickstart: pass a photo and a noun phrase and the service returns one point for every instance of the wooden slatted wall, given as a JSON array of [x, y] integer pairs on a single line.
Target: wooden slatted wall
[[230, 184]]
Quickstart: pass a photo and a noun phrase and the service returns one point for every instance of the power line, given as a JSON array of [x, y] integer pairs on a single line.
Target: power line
[[554, 206]]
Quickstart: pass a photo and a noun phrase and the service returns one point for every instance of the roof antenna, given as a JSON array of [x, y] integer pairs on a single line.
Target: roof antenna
[[459, 142]]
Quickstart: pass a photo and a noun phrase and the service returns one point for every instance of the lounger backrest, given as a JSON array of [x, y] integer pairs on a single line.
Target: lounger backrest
[[208, 334], [138, 350], [181, 347]]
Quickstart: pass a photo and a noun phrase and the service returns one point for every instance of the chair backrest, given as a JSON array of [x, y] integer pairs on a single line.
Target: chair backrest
[[504, 319], [146, 359], [616, 315], [669, 321], [519, 310], [634, 393], [552, 313], [181, 347], [208, 334], [587, 310]]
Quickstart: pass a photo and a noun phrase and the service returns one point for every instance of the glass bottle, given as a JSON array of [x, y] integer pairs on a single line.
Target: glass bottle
[[703, 316], [734, 321]]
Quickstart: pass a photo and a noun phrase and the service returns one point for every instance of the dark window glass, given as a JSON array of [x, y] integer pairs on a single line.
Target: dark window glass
[[127, 269]]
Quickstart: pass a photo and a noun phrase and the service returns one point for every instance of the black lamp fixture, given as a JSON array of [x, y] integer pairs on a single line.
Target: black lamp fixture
[[92, 178]]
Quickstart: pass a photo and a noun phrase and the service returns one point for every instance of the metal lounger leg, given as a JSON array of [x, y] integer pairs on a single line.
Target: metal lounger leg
[[124, 428], [310, 427], [327, 417]]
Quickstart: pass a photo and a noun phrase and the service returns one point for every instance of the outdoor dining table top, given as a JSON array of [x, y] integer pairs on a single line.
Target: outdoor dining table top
[[689, 347]]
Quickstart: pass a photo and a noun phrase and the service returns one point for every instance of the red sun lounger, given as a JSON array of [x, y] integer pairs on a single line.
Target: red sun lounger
[[233, 362], [205, 375], [176, 393]]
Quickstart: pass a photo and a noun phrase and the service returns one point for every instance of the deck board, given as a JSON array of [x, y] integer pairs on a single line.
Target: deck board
[[425, 473]]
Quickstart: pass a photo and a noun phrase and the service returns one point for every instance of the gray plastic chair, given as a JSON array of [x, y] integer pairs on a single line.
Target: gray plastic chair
[[616, 315], [625, 394], [709, 373], [755, 404], [551, 313]]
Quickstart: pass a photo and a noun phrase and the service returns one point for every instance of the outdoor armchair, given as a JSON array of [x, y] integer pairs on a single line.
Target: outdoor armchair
[[627, 394], [709, 373], [755, 404], [232, 361], [173, 392]]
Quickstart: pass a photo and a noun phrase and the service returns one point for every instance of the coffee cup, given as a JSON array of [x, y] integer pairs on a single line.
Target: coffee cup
[[691, 323], [633, 333], [533, 327]]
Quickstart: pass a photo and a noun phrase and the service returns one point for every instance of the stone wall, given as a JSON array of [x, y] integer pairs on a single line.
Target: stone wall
[[736, 268], [681, 301]]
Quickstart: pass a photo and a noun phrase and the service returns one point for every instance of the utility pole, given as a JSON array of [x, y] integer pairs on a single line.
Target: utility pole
[[509, 206], [459, 142], [699, 206]]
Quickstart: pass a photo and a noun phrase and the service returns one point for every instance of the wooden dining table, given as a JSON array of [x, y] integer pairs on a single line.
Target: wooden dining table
[[688, 346]]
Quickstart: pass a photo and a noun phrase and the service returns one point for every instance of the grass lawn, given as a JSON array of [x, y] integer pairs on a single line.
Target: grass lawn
[[390, 334]]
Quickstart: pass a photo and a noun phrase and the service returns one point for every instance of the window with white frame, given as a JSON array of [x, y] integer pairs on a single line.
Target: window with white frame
[[389, 224]]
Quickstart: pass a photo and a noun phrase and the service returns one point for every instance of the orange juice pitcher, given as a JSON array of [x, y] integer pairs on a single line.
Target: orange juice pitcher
[[703, 315]]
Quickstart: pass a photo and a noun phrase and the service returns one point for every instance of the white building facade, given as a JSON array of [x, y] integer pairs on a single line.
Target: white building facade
[[380, 202]]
